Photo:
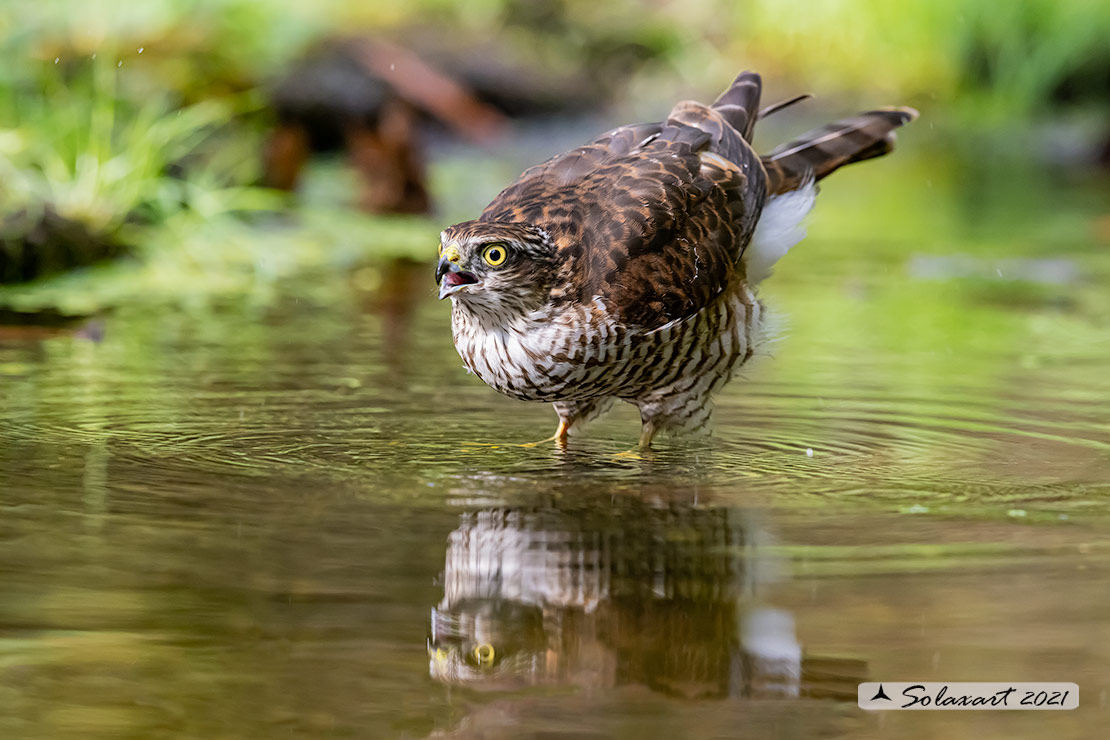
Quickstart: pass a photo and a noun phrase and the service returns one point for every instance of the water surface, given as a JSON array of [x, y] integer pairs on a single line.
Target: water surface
[[304, 519]]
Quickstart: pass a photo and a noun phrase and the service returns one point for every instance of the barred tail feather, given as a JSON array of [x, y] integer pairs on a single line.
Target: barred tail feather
[[818, 153], [739, 104]]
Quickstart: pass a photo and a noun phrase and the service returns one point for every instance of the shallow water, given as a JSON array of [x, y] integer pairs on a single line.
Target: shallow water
[[243, 521]]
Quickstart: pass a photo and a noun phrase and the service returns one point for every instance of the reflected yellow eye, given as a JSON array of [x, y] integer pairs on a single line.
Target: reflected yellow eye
[[495, 254], [484, 653]]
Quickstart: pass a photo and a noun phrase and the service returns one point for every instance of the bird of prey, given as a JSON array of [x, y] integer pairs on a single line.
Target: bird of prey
[[626, 269]]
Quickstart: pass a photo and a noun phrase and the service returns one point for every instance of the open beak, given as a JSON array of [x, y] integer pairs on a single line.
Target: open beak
[[451, 278]]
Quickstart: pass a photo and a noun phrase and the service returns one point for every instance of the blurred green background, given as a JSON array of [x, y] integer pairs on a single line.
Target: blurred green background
[[139, 131], [246, 471]]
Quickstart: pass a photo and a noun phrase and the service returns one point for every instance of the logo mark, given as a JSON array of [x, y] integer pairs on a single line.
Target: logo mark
[[880, 694]]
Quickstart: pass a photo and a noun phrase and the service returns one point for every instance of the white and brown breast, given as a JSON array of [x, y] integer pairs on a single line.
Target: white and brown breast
[[580, 352]]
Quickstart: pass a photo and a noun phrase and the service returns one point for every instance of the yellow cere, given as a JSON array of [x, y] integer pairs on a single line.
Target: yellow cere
[[451, 253], [495, 254]]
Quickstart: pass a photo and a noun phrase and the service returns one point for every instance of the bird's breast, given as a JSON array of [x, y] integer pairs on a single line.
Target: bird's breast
[[583, 352], [544, 357]]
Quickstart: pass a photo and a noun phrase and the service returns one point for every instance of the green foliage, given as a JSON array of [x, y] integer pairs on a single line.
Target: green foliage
[[94, 156], [138, 126]]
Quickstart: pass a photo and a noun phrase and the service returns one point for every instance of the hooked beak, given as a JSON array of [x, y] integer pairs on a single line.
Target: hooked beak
[[451, 278]]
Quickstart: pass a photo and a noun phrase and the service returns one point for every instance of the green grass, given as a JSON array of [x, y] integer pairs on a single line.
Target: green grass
[[102, 159]]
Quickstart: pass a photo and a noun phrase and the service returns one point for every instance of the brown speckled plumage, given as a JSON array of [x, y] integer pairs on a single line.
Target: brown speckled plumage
[[625, 274]]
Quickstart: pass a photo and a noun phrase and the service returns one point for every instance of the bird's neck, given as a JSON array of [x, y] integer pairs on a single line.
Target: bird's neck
[[488, 319]]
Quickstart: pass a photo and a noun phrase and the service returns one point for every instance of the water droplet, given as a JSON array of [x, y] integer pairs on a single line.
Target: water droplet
[[140, 50], [809, 452], [56, 59], [119, 63], [1016, 512]]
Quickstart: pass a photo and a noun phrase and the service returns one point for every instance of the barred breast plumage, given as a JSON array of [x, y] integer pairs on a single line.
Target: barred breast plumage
[[582, 358], [625, 269]]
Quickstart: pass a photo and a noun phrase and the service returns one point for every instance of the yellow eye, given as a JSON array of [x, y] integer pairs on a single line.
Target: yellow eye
[[495, 254], [484, 653]]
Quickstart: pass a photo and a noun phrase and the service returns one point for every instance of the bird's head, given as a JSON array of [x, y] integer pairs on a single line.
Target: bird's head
[[497, 268], [488, 643]]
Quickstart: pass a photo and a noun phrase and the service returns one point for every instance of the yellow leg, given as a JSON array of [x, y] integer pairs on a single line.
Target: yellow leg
[[559, 438], [647, 433]]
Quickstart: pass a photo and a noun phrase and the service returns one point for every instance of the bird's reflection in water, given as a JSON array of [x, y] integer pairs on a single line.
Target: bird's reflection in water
[[623, 592]]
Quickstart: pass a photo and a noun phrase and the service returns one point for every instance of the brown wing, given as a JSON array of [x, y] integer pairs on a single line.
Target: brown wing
[[650, 218]]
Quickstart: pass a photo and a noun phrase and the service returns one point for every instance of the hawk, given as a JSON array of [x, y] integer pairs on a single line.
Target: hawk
[[626, 269]]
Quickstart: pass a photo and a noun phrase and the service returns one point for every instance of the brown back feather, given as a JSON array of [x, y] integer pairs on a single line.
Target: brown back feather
[[642, 228], [820, 152]]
